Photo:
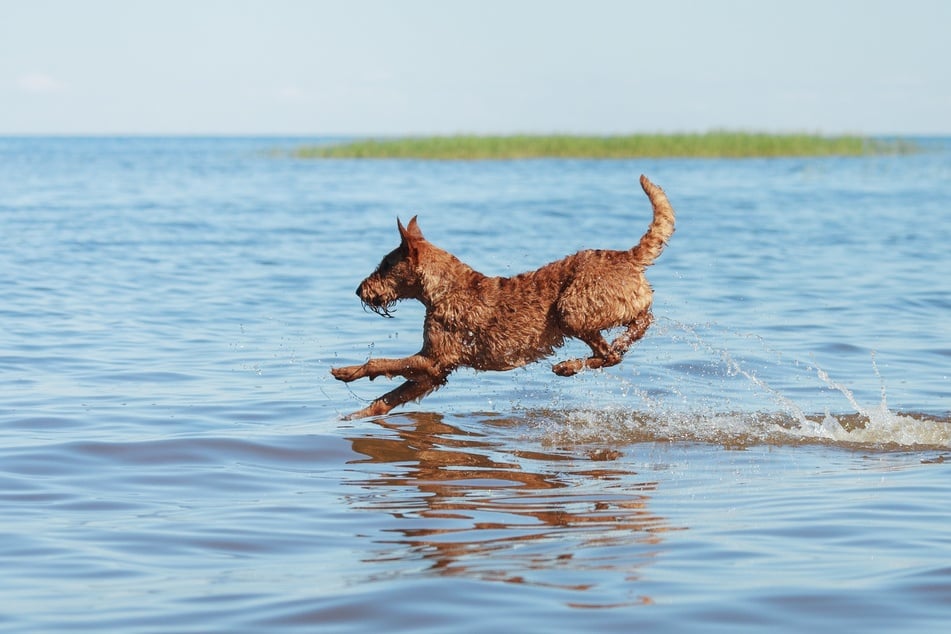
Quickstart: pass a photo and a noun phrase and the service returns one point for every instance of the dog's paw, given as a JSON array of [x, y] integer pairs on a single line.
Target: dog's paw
[[376, 408], [347, 373], [355, 415], [567, 368]]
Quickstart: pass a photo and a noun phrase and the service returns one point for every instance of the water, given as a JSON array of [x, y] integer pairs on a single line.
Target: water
[[774, 454]]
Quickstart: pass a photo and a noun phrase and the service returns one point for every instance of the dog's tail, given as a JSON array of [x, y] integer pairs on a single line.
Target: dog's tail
[[660, 229]]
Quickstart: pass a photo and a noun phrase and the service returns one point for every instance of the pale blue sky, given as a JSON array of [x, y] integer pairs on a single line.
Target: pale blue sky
[[378, 67]]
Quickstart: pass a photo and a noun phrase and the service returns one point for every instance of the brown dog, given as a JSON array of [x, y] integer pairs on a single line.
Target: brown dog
[[501, 323]]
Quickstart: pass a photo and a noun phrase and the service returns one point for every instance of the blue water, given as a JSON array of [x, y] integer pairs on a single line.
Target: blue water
[[774, 454]]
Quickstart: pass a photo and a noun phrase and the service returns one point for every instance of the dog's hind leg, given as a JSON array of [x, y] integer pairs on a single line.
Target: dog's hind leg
[[604, 355], [635, 331], [408, 391]]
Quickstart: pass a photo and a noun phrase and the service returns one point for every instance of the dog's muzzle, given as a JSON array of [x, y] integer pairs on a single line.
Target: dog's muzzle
[[374, 302]]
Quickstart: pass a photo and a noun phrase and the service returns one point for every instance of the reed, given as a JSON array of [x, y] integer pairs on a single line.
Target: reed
[[719, 144]]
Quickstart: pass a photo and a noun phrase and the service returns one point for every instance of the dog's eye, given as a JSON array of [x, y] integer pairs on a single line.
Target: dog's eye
[[388, 263]]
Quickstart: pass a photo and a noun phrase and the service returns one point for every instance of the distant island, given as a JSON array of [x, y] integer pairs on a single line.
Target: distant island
[[721, 144]]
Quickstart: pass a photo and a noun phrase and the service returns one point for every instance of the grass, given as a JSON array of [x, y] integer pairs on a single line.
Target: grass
[[720, 144]]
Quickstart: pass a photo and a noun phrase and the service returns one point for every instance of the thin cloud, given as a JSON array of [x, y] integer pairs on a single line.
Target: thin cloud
[[39, 84]]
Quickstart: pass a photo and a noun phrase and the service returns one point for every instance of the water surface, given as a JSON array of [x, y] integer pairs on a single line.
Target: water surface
[[773, 454]]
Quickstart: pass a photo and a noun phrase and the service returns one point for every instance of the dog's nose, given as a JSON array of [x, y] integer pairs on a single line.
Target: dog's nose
[[361, 293]]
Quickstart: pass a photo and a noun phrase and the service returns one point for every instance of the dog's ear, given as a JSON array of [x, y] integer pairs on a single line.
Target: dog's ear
[[411, 231], [410, 235]]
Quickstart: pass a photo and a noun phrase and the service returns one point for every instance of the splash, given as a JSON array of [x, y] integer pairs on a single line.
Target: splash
[[876, 426], [886, 431], [682, 416]]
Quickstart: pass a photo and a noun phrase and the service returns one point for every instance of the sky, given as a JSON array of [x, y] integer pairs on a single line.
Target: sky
[[401, 67]]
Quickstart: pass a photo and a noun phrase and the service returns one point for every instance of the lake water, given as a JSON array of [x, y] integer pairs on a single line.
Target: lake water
[[774, 454]]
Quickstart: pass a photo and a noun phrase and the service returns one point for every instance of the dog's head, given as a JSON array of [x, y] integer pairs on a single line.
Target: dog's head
[[397, 275]]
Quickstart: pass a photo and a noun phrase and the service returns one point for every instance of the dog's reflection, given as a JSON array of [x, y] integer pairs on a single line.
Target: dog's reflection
[[470, 506]]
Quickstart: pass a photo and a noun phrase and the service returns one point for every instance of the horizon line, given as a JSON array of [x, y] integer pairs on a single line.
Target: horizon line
[[403, 135]]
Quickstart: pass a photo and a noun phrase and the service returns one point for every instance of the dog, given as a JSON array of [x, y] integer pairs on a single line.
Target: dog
[[502, 323]]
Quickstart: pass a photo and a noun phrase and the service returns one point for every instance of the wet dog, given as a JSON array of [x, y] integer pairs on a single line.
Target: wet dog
[[501, 323]]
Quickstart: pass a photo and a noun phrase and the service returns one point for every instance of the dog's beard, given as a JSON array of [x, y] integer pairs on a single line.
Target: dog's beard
[[383, 309]]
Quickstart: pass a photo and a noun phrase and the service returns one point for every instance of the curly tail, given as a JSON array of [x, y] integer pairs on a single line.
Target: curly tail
[[660, 229]]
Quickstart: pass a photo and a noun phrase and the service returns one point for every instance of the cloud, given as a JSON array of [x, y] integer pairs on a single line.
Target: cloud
[[39, 84]]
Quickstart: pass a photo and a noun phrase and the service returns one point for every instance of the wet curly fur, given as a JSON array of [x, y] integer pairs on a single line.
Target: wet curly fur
[[501, 323]]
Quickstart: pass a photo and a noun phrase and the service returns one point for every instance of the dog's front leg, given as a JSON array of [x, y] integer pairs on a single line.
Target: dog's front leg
[[416, 366], [408, 391]]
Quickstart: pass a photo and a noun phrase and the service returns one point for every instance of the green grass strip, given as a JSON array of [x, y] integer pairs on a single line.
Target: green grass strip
[[701, 145]]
